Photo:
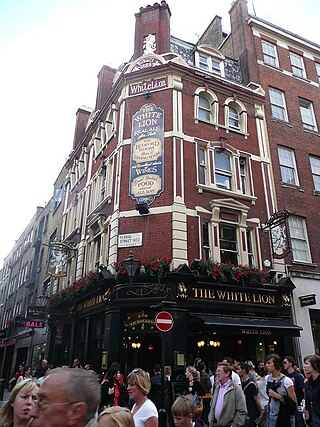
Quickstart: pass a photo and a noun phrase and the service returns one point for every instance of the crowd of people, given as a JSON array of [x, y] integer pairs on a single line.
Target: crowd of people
[[273, 394]]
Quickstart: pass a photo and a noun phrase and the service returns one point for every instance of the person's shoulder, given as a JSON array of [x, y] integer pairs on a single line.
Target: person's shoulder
[[287, 381]]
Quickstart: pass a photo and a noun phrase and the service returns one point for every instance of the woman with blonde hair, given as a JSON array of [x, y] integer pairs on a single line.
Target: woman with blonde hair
[[116, 416], [144, 411], [22, 405]]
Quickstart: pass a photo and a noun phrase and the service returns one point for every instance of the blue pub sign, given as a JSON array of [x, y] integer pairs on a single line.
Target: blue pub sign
[[146, 164]]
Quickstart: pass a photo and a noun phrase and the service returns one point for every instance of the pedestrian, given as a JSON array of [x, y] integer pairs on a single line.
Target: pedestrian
[[68, 398], [311, 365], [228, 405], [77, 363], [144, 411], [13, 380], [40, 373], [195, 389], [298, 384], [26, 374], [116, 416], [113, 393], [283, 400], [249, 388], [261, 385], [183, 413], [155, 392], [205, 383], [234, 364], [252, 373], [22, 405]]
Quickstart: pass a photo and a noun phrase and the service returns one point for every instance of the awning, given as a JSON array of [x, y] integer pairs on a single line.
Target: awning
[[254, 323]]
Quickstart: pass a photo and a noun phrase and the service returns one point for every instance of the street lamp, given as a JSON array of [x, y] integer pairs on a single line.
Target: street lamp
[[131, 265]]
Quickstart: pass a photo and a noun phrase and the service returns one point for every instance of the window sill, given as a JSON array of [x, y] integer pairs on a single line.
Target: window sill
[[294, 187], [219, 126], [307, 264], [316, 192], [303, 79], [313, 132], [273, 67], [215, 189], [283, 122]]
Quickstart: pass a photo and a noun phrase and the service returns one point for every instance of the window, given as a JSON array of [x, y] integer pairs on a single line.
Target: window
[[318, 70], [234, 120], [223, 175], [204, 109], [250, 248], [278, 104], [315, 169], [299, 239], [243, 175], [288, 166], [203, 62], [213, 62], [57, 198], [297, 65], [206, 240], [307, 114], [202, 166], [228, 244], [270, 56]]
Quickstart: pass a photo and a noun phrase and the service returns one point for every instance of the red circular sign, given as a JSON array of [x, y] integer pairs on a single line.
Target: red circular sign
[[164, 321]]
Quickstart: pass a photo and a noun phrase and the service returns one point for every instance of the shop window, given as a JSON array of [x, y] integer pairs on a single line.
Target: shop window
[[278, 104], [288, 166], [315, 169], [307, 115], [297, 65], [270, 55], [223, 174], [228, 244], [299, 239]]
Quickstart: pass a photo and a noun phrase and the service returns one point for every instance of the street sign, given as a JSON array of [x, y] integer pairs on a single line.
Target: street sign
[[164, 321]]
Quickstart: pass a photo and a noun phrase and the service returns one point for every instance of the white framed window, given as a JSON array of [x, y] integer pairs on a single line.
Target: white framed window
[[223, 172], [243, 175], [228, 244], [206, 105], [278, 104], [235, 115], [297, 65], [209, 60], [270, 55], [288, 166], [318, 70], [202, 156], [299, 239], [307, 114], [205, 240], [315, 169]]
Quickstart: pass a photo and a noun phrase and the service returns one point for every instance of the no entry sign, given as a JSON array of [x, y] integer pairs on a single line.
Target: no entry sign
[[164, 321]]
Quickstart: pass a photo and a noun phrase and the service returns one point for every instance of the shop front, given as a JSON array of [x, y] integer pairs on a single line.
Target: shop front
[[116, 322]]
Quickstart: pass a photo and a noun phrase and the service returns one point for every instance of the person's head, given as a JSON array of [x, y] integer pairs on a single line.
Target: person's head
[[260, 364], [311, 364], [116, 416], [21, 405], [138, 382], [44, 363], [182, 411], [288, 362], [26, 371], [273, 363], [196, 362], [68, 397], [115, 365], [113, 374], [76, 363], [167, 370], [192, 373], [250, 365], [223, 372], [243, 369], [20, 368], [201, 366], [156, 368]]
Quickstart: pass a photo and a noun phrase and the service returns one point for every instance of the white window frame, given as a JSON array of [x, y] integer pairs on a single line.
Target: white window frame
[[202, 165], [307, 115], [297, 65], [232, 122], [278, 104], [270, 54], [228, 174], [210, 96], [318, 70], [299, 239], [315, 170], [207, 61], [287, 163]]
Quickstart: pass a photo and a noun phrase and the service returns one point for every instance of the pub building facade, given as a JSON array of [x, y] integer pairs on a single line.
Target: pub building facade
[[173, 165]]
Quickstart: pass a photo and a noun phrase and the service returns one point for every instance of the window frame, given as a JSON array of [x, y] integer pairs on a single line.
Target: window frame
[[312, 126], [286, 166], [204, 61], [296, 238], [318, 70], [315, 175], [212, 99], [298, 70], [240, 108], [235, 227], [267, 55], [279, 106], [228, 174]]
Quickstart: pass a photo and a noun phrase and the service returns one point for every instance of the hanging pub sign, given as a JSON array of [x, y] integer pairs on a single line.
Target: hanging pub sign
[[36, 312], [146, 164], [277, 226], [58, 259]]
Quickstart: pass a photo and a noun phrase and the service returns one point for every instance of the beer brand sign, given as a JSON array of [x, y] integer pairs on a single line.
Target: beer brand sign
[[146, 62], [148, 85], [146, 165]]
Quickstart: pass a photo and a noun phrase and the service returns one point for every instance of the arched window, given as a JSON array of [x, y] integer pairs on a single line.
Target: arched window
[[234, 119], [235, 115], [206, 105], [204, 109]]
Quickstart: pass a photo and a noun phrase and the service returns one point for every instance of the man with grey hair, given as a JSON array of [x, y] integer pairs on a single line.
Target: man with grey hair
[[69, 397]]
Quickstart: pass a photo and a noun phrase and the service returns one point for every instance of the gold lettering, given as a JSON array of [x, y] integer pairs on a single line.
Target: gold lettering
[[221, 295], [272, 299]]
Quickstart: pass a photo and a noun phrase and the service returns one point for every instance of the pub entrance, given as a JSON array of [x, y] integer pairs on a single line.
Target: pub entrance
[[142, 352]]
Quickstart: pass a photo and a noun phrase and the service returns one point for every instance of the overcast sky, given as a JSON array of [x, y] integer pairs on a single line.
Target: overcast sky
[[51, 52]]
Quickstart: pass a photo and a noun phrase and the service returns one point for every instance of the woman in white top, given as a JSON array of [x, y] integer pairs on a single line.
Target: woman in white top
[[144, 411], [26, 374]]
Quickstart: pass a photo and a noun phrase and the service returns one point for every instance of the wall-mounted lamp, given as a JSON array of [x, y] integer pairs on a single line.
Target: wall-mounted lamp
[[142, 208], [200, 343], [136, 345], [214, 343], [131, 265]]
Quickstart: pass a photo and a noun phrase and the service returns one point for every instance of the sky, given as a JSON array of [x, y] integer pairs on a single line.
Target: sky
[[50, 54]]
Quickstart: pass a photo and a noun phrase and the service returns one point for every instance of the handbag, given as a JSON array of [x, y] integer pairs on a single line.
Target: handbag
[[262, 420]]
